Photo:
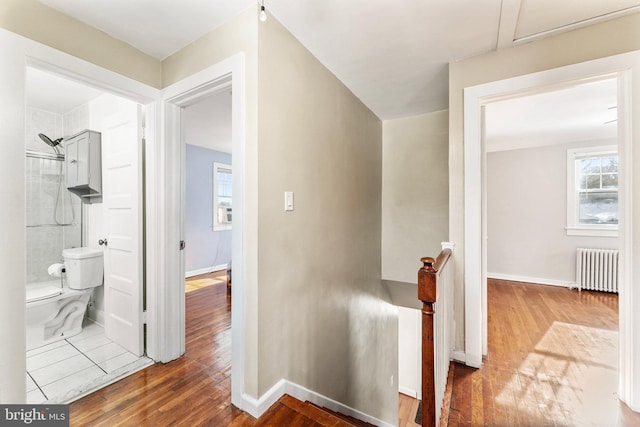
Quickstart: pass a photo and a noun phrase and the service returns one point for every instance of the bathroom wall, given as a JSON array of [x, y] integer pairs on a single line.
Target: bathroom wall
[[49, 230], [205, 248]]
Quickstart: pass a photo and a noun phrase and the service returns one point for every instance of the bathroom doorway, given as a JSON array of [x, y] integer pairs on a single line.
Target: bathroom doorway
[[69, 353]]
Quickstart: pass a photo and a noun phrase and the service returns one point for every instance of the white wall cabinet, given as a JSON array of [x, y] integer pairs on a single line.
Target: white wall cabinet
[[84, 165]]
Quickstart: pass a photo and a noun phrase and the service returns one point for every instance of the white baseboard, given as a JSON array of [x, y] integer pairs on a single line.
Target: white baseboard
[[536, 280], [458, 356], [205, 270], [408, 391], [97, 316], [257, 407]]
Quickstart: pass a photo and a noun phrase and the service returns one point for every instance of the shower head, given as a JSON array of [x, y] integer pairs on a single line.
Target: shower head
[[48, 140]]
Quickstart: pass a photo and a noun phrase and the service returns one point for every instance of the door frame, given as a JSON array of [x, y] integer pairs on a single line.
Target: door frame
[[174, 98], [18, 53], [624, 67]]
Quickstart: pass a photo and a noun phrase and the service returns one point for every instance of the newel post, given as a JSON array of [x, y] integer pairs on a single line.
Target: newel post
[[427, 293]]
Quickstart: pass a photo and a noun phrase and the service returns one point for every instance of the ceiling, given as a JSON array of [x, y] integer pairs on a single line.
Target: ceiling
[[585, 112], [208, 122], [55, 94], [393, 58]]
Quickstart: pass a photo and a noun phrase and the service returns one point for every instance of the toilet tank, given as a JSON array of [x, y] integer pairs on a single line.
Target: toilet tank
[[84, 267]]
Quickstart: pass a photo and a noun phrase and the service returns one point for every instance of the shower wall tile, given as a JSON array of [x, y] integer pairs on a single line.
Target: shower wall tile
[[44, 247], [41, 121], [53, 214], [76, 120]]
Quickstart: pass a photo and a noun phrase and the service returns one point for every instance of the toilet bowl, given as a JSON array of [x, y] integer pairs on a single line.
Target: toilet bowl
[[55, 310]]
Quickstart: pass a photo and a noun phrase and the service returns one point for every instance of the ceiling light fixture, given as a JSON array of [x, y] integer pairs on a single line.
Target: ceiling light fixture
[[263, 13]]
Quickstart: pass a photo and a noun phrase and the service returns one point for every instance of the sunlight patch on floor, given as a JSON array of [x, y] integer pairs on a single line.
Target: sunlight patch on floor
[[199, 282], [566, 377]]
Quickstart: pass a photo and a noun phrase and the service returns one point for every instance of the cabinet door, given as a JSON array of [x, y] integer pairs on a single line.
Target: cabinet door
[[71, 157], [83, 158]]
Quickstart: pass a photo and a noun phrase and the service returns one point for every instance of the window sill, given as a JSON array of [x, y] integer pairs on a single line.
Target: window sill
[[592, 232]]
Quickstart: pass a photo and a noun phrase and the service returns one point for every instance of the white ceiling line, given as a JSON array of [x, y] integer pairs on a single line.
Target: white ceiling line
[[508, 23], [575, 25]]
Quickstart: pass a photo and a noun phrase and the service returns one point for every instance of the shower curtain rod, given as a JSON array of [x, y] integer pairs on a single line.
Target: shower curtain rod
[[40, 155]]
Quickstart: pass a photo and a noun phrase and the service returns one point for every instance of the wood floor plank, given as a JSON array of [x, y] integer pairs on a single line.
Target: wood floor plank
[[194, 390], [543, 342]]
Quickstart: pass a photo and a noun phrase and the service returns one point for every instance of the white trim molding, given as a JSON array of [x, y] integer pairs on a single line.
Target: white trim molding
[[534, 280], [230, 71], [459, 356], [626, 69], [257, 407], [205, 270]]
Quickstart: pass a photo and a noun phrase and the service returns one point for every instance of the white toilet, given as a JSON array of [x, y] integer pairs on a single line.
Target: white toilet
[[53, 316], [84, 267]]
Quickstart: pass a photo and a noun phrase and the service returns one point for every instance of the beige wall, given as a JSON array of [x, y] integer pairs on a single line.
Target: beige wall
[[38, 22], [597, 41], [415, 192], [527, 214], [238, 35], [325, 320]]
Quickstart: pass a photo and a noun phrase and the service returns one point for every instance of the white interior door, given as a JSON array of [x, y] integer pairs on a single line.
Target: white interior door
[[122, 198]]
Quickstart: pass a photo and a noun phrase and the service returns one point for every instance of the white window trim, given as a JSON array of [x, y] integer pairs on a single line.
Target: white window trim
[[217, 226], [573, 227]]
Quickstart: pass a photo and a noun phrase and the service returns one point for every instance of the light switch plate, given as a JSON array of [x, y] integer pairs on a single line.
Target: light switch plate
[[288, 200]]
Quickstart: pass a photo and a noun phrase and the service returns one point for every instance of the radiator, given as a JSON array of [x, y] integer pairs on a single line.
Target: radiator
[[597, 269]]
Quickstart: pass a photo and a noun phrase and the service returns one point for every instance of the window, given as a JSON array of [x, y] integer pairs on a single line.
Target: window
[[222, 196], [592, 191]]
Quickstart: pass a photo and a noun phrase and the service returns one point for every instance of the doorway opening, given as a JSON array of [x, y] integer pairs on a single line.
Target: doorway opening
[[177, 98], [621, 68], [79, 141], [543, 152]]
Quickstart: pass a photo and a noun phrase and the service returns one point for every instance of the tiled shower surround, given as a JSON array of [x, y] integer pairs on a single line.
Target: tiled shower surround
[[54, 222]]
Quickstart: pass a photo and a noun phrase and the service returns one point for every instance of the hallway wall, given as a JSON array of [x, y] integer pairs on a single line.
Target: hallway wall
[[43, 24], [415, 192], [325, 321]]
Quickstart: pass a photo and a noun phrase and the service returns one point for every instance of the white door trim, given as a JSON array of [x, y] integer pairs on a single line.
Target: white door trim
[[623, 66], [16, 53], [176, 96]]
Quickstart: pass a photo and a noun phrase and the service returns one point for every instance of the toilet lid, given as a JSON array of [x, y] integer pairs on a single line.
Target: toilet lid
[[43, 292]]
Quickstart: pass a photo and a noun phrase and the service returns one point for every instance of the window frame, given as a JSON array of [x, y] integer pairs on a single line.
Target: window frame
[[574, 228], [218, 226]]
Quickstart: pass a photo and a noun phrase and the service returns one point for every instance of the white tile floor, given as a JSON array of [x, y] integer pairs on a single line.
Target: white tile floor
[[67, 369]]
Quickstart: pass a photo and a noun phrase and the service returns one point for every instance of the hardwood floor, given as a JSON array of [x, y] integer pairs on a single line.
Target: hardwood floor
[[552, 361], [407, 411], [194, 390], [191, 391], [204, 280]]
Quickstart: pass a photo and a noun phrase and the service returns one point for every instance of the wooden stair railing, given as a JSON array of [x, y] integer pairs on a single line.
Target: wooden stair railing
[[428, 278]]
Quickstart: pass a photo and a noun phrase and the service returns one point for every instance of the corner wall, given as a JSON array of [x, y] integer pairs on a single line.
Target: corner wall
[[325, 321], [415, 192], [597, 41]]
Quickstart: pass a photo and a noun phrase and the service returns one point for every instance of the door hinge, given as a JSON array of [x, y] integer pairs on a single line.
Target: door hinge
[[183, 244], [144, 317]]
